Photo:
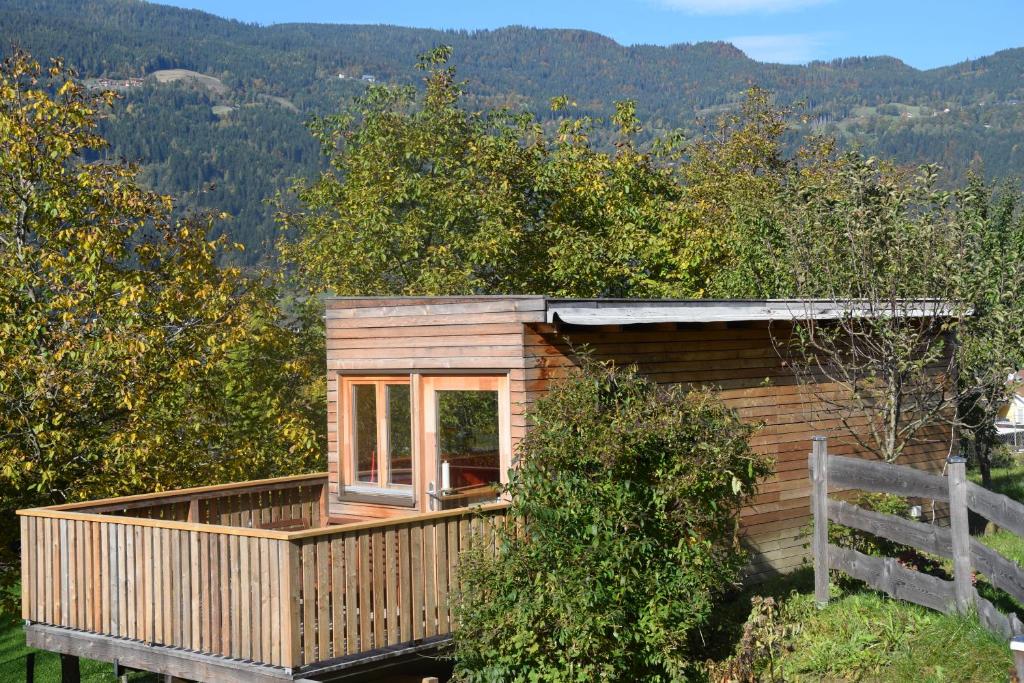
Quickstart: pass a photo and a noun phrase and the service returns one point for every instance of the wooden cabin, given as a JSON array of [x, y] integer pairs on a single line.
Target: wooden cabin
[[319, 577]]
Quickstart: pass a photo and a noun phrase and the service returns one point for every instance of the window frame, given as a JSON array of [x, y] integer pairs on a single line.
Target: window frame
[[382, 492]]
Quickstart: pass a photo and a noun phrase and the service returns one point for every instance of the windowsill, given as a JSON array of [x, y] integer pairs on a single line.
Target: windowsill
[[375, 495]]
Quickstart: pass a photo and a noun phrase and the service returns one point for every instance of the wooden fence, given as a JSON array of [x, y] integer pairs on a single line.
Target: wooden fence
[[282, 598], [954, 543]]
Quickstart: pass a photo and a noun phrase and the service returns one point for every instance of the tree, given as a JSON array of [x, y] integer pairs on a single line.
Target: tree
[[621, 531], [921, 300], [129, 360], [425, 197]]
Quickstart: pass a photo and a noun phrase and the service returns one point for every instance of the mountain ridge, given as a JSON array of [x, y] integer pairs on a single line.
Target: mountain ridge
[[233, 150]]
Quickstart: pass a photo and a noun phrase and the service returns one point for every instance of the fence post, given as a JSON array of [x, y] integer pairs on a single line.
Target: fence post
[[819, 507], [963, 588]]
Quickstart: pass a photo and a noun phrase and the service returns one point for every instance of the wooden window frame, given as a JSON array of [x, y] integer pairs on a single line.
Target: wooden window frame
[[381, 493]]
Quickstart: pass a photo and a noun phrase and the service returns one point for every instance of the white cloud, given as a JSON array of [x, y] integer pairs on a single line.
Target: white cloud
[[738, 6], [782, 48]]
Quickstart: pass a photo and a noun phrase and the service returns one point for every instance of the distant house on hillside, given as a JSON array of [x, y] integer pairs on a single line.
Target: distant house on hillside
[[1010, 422], [369, 78]]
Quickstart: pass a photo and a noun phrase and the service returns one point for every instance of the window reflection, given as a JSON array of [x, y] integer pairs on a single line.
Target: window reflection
[[399, 430], [468, 437]]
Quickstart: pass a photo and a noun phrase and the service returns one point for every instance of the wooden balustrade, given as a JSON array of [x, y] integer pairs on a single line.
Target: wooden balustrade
[[376, 584], [234, 588], [263, 504]]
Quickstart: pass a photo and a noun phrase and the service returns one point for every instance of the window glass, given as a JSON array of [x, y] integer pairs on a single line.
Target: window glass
[[364, 436], [468, 437], [399, 431]]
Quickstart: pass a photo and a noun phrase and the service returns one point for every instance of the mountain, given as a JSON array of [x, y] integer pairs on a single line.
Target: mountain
[[214, 109]]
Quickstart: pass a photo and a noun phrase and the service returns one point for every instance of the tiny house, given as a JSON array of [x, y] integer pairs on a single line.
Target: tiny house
[[320, 576]]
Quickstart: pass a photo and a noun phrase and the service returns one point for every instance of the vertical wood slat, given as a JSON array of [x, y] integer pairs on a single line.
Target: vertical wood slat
[[224, 593], [274, 622], [196, 580], [97, 579], [206, 578], [429, 579], [252, 631], [125, 579], [416, 578], [323, 598], [441, 567], [308, 601], [291, 650], [43, 550], [365, 625], [338, 566], [377, 587], [242, 618], [452, 529], [391, 560], [266, 586], [405, 629], [103, 576], [116, 578], [155, 565], [27, 567], [73, 590], [351, 592]]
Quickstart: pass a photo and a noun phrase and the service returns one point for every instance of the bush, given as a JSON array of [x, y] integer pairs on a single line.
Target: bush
[[622, 531]]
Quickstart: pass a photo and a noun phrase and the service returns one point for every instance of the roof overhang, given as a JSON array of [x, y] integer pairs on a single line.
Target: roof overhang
[[637, 312]]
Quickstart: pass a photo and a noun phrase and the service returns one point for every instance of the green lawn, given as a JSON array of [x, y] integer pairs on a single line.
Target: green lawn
[[12, 660], [863, 635]]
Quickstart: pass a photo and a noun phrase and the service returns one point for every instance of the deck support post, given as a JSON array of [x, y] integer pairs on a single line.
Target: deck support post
[[819, 508], [963, 588], [69, 669], [30, 667]]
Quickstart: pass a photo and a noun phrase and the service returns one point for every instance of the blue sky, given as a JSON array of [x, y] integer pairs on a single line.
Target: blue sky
[[922, 33]]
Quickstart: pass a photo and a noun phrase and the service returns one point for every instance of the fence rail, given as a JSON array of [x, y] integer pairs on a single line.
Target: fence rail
[[954, 543], [237, 589]]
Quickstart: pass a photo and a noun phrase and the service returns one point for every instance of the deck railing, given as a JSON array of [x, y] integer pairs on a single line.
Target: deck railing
[[283, 598]]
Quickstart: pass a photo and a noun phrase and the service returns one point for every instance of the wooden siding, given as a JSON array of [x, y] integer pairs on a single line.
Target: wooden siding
[[509, 334], [401, 336], [741, 362]]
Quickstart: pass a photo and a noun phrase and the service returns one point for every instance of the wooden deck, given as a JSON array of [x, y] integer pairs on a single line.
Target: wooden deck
[[250, 574]]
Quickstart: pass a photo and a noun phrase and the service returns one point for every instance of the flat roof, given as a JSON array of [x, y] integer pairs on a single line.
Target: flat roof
[[640, 311], [646, 311]]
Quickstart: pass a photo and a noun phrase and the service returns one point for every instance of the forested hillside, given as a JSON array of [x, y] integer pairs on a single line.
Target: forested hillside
[[232, 140]]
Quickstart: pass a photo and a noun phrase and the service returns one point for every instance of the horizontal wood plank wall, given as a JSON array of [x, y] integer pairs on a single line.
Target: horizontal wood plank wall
[[377, 336], [741, 362], [195, 590]]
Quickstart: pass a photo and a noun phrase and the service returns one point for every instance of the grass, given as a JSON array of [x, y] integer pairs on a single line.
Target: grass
[[13, 654], [863, 635], [12, 659]]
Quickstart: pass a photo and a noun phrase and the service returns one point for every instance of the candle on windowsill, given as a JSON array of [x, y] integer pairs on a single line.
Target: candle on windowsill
[[446, 477]]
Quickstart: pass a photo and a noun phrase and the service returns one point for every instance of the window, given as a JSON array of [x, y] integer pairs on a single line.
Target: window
[[468, 438], [377, 436]]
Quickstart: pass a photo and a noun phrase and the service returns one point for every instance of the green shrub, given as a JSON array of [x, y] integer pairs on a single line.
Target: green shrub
[[623, 530]]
